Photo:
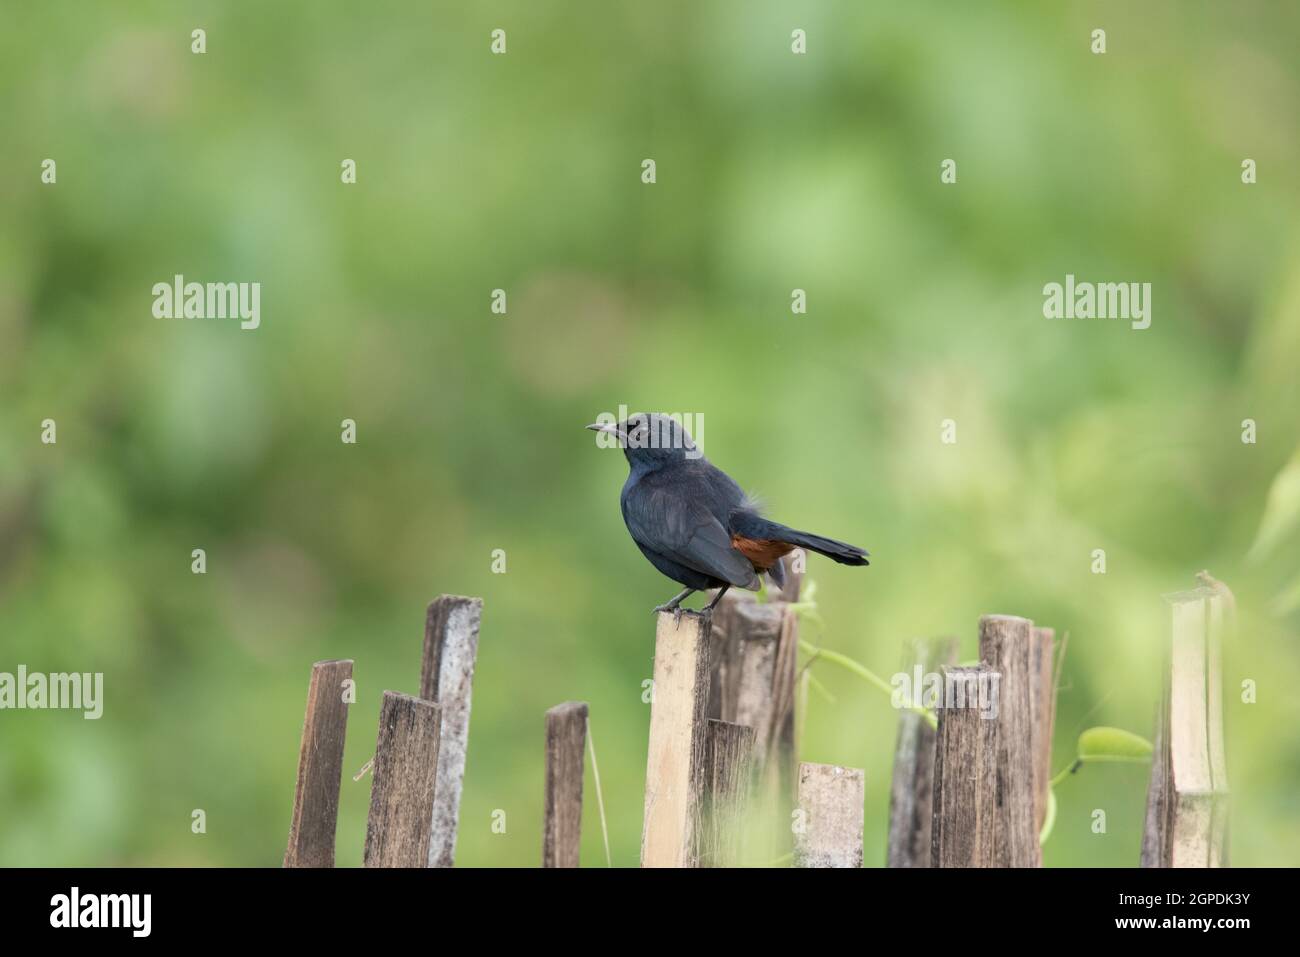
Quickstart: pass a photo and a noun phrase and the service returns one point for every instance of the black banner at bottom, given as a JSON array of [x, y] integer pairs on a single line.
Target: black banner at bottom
[[366, 906]]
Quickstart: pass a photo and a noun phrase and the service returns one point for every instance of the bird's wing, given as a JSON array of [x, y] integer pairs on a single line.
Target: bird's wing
[[686, 532]]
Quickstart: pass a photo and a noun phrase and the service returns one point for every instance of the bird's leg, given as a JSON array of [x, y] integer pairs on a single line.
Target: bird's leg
[[707, 610], [675, 606]]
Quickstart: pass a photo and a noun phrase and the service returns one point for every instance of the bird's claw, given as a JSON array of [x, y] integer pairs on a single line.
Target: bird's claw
[[704, 614], [677, 611]]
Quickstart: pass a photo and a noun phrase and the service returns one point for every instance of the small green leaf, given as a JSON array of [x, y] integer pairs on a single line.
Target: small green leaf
[[1113, 744], [1281, 511]]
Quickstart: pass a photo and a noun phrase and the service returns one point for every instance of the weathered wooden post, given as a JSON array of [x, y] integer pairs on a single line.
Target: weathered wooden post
[[566, 739], [729, 763], [963, 832], [320, 766], [828, 829], [676, 763], [402, 794], [446, 676], [1042, 678], [1157, 813], [1187, 800], [755, 662], [1006, 645], [911, 805], [756, 652]]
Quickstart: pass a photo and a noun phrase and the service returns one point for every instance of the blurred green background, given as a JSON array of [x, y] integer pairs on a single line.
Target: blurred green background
[[522, 172]]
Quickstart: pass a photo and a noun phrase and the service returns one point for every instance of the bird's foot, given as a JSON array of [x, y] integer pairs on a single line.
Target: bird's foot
[[704, 614], [673, 606]]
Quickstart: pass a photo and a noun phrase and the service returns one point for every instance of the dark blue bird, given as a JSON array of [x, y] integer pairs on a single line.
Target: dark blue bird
[[694, 523]]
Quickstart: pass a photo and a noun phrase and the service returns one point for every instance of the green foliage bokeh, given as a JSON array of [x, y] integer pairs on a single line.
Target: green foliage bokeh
[[522, 172]]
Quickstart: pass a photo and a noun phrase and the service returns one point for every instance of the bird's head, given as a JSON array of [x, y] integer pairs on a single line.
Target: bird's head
[[649, 440]]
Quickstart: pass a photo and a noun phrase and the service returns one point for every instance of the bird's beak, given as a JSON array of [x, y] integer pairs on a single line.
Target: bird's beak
[[597, 427]]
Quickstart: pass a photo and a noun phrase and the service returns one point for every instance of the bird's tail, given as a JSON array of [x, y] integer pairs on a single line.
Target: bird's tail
[[750, 525]]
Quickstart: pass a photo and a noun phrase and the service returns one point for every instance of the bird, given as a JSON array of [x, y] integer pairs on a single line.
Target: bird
[[694, 523]]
